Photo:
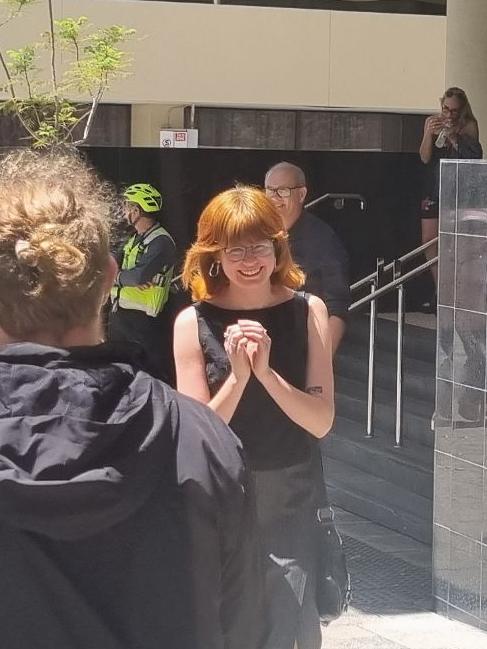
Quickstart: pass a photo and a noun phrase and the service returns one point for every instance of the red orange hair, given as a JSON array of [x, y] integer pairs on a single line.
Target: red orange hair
[[241, 213]]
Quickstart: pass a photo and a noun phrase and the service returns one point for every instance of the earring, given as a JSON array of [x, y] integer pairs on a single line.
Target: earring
[[214, 269]]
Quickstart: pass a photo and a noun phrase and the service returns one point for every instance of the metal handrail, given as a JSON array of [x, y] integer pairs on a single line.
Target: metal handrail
[[335, 196], [408, 256], [379, 292], [376, 290]]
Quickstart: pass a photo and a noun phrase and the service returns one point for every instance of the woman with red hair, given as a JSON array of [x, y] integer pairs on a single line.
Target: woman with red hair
[[259, 354]]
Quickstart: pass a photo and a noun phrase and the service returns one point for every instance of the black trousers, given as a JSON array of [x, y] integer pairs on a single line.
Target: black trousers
[[153, 335]]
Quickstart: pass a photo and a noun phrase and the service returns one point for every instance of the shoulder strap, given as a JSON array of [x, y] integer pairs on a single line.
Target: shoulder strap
[[303, 301], [153, 233], [304, 295]]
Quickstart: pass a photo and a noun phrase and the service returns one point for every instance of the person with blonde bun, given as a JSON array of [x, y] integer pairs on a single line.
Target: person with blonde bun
[[126, 517]]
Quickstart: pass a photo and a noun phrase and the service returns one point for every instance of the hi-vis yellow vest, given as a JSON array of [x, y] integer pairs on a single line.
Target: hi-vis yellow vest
[[151, 300]]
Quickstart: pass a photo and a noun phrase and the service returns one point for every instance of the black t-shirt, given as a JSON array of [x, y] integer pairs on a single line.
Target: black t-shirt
[[320, 253]]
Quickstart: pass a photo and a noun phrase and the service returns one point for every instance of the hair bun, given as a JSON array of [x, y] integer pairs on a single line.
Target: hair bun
[[55, 221], [60, 260], [56, 260]]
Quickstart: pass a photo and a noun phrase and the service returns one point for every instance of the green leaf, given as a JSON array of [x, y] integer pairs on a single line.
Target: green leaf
[[22, 60], [70, 29]]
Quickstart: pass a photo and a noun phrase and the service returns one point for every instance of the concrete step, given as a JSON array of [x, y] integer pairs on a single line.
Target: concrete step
[[419, 343], [418, 375], [410, 467], [387, 395], [379, 500], [350, 399]]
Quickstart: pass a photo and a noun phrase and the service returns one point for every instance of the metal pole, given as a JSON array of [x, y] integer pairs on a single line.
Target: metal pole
[[370, 381], [399, 368], [372, 334]]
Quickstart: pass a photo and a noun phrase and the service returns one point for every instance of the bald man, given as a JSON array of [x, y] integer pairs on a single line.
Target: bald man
[[314, 245]]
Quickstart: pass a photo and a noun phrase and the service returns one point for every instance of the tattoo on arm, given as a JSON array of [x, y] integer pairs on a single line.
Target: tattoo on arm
[[315, 389]]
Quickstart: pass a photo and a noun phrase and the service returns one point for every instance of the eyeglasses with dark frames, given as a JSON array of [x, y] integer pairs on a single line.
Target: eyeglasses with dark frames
[[282, 192], [261, 249]]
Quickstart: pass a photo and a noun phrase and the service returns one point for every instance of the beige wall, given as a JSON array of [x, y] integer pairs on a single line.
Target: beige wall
[[216, 54], [389, 61], [148, 119], [466, 57], [254, 56]]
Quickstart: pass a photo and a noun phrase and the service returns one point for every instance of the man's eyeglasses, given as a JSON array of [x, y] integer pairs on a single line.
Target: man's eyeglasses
[[237, 253], [282, 192]]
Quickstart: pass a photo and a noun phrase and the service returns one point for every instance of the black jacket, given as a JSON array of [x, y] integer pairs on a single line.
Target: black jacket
[[125, 515]]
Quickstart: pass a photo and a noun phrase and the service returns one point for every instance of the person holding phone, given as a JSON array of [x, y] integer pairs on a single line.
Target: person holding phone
[[453, 133]]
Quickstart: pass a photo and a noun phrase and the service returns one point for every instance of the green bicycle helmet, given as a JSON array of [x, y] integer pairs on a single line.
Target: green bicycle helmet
[[145, 195]]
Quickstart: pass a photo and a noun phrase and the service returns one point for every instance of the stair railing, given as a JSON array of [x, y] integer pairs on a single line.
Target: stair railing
[[377, 289], [338, 200]]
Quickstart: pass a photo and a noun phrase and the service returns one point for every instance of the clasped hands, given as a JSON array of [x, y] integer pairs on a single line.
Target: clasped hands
[[248, 348]]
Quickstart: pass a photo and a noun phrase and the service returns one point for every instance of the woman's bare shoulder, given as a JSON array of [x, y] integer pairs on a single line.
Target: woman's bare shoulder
[[186, 319], [317, 306]]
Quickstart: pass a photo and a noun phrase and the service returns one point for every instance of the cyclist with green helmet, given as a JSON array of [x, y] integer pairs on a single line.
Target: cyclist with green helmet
[[142, 285]]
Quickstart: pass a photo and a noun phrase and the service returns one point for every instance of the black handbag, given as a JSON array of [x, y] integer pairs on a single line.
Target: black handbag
[[333, 579], [333, 585]]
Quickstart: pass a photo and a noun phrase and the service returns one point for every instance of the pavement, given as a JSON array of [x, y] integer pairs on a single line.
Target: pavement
[[392, 605]]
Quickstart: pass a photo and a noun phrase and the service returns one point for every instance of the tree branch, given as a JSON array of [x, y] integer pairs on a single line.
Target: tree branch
[[81, 119], [34, 107], [53, 64], [8, 75], [91, 117], [26, 126], [27, 83], [13, 15], [78, 63]]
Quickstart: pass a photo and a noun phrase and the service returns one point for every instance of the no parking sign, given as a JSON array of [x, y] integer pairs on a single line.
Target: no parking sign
[[184, 138]]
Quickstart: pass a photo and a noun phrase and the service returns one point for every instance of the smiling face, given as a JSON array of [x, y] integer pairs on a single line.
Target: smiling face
[[242, 231], [248, 263], [287, 193]]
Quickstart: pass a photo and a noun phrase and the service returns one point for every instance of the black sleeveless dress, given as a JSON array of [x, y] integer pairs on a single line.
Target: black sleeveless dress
[[284, 459]]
